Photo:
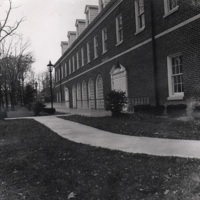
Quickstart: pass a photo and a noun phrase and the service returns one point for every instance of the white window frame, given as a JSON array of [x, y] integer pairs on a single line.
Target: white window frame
[[62, 72], [70, 70], [139, 17], [104, 40], [73, 64], [173, 95], [88, 52], [119, 29], [96, 45], [82, 57], [77, 60], [65, 69], [56, 75], [167, 9], [59, 74]]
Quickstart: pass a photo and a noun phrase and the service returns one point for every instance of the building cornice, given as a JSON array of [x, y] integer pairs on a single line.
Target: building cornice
[[91, 27]]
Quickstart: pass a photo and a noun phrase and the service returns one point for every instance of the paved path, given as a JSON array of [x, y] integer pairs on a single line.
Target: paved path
[[95, 137]]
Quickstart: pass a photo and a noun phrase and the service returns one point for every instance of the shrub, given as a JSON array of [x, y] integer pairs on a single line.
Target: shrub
[[176, 110], [3, 114], [152, 110], [37, 108], [115, 102], [49, 111]]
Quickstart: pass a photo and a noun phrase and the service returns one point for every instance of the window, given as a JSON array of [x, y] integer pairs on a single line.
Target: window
[[58, 74], [170, 6], [104, 39], [70, 66], [65, 69], [62, 72], [175, 77], [82, 57], [139, 15], [77, 60], [88, 52], [119, 28], [73, 64], [96, 45]]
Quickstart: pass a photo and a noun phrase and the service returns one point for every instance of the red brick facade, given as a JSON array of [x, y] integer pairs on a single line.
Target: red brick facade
[[143, 55]]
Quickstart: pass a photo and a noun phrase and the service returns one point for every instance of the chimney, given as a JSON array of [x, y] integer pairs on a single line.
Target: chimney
[[71, 37], [64, 46], [80, 26], [91, 12], [102, 4]]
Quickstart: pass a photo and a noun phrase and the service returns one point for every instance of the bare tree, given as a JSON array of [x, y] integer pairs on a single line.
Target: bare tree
[[7, 29], [15, 66]]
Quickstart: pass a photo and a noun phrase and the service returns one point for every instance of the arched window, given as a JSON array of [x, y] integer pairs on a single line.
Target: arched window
[[78, 95], [74, 96], [91, 94], [99, 92], [84, 95]]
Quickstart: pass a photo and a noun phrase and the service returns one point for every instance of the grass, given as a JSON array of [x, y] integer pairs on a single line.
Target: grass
[[142, 125], [37, 164]]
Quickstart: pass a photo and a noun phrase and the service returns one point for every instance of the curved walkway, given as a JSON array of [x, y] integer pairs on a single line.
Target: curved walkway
[[153, 146]]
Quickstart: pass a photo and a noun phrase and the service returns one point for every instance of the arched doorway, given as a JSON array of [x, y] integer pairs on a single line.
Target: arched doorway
[[99, 92], [119, 78], [84, 95], [66, 93], [91, 94], [74, 96], [78, 95]]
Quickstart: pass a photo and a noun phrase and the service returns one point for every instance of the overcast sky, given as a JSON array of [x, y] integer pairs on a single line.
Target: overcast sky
[[47, 23]]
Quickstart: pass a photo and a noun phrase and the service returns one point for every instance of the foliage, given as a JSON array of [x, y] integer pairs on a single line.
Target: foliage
[[176, 107], [37, 108], [50, 111], [115, 102], [29, 94], [153, 110]]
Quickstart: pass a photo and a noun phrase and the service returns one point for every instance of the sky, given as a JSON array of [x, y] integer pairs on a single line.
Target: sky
[[46, 25]]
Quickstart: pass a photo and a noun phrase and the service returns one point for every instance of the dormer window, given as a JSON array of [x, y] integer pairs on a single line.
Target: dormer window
[[102, 4]]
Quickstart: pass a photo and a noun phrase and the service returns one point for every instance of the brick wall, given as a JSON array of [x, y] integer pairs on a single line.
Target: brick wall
[[139, 62]]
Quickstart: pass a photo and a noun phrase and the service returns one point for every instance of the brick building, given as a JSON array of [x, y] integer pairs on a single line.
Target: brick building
[[147, 48]]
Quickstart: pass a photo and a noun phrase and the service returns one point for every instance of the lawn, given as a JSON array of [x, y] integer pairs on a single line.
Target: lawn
[[37, 164], [143, 125]]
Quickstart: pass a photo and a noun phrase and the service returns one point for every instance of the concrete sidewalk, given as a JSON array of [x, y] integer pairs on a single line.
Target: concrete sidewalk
[[153, 146]]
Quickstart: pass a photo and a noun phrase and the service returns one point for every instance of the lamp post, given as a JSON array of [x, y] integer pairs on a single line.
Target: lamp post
[[50, 69], [36, 84]]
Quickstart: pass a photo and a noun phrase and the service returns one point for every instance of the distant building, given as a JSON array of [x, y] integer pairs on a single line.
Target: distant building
[[146, 48]]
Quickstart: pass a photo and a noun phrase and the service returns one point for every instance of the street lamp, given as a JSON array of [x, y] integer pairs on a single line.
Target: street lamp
[[50, 69], [36, 84]]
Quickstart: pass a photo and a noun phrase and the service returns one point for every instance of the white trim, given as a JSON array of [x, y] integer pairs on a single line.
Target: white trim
[[178, 26], [92, 29], [77, 60], [118, 41], [96, 47], [167, 10], [82, 57], [137, 17], [113, 58], [65, 69], [138, 45], [172, 95], [88, 52], [104, 40]]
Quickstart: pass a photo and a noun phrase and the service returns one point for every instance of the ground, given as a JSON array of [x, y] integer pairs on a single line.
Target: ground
[[37, 164], [144, 125]]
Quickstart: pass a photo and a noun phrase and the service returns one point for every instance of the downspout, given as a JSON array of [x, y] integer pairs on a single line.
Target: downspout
[[155, 65]]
